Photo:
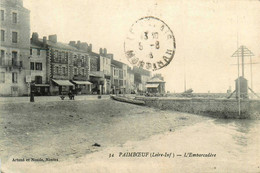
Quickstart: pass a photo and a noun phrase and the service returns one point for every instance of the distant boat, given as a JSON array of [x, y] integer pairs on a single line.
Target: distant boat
[[127, 100], [187, 93]]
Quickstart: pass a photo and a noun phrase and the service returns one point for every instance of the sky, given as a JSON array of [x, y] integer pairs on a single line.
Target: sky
[[207, 33]]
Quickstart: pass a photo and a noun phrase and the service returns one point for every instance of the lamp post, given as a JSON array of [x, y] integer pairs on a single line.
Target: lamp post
[[31, 85], [32, 92]]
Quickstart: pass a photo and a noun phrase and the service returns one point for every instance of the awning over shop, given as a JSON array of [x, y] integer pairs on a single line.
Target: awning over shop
[[42, 85], [63, 82], [82, 82], [151, 85]]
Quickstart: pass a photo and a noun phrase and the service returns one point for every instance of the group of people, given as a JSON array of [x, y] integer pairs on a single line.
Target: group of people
[[70, 94]]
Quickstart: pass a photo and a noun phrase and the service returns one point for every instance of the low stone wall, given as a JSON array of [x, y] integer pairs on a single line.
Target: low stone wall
[[221, 108], [254, 109]]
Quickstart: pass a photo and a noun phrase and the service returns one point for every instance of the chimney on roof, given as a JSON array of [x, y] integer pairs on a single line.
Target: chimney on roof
[[84, 46], [90, 48], [100, 51], [72, 43], [78, 44], [35, 37], [53, 38], [44, 41], [105, 51]]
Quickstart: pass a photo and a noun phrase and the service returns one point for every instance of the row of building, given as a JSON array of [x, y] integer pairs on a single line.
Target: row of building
[[55, 68]]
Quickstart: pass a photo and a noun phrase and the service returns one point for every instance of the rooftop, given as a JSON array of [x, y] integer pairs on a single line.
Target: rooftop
[[155, 80], [117, 63]]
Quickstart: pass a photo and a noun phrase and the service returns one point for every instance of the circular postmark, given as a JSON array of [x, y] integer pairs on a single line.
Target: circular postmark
[[150, 44]]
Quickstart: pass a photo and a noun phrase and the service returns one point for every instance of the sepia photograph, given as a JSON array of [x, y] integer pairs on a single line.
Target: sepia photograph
[[161, 86]]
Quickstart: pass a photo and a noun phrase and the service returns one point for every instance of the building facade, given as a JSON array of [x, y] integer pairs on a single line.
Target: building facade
[[38, 66], [15, 48], [54, 67], [79, 67], [130, 82], [105, 67], [156, 85], [119, 77], [69, 67], [96, 76], [64, 68], [141, 76]]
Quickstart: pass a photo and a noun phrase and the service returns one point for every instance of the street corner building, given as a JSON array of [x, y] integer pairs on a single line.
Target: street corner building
[[15, 48]]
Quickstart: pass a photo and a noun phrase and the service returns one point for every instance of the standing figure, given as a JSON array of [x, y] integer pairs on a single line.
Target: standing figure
[[71, 95]]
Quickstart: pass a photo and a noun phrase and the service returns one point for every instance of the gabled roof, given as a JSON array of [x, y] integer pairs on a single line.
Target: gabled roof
[[155, 80]]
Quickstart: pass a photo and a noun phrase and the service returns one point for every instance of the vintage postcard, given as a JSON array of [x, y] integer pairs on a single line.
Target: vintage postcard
[[129, 86]]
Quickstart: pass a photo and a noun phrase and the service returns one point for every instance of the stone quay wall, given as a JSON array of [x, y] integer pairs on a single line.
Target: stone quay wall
[[220, 108]]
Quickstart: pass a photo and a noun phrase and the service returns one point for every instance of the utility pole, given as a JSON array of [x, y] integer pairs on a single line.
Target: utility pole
[[242, 55], [251, 72], [185, 74], [238, 87], [243, 52]]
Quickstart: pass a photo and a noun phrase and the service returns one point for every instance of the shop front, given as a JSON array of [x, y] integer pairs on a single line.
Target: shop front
[[42, 89], [97, 79], [152, 88], [155, 85], [82, 87], [61, 87], [122, 90], [116, 89]]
